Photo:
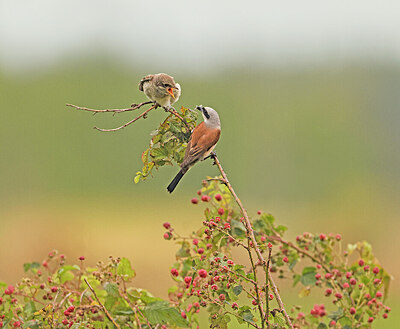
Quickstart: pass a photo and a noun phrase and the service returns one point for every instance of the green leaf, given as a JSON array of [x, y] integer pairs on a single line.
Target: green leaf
[[65, 273], [308, 276], [279, 319], [111, 289], [237, 290], [31, 266], [337, 314], [161, 312], [125, 269], [322, 326]]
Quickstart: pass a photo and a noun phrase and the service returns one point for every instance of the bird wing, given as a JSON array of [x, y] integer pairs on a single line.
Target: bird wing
[[145, 79], [201, 141]]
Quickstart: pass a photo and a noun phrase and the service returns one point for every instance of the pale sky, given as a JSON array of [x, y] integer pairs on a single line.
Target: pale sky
[[197, 35]]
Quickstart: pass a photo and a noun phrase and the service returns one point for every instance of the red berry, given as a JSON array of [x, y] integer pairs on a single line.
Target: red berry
[[9, 290], [271, 296], [375, 270], [71, 309], [285, 259], [195, 201], [195, 242], [263, 239], [235, 305], [318, 276], [377, 281], [82, 258], [259, 212], [221, 211], [269, 245], [183, 314], [65, 322], [205, 198], [222, 297], [385, 315], [214, 287], [328, 292], [174, 272], [54, 289], [332, 323], [319, 266], [346, 285], [338, 295], [378, 294], [17, 324], [66, 313], [366, 268], [338, 237], [348, 275], [209, 245], [200, 251], [167, 225], [254, 302], [322, 237], [218, 197], [361, 262], [328, 276], [352, 310], [202, 273], [227, 226], [167, 236], [370, 319]]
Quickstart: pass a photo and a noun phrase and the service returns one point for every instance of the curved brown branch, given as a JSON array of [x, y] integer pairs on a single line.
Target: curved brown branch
[[143, 115], [250, 233]]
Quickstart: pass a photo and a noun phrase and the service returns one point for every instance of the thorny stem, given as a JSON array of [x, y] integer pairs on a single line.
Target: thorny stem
[[102, 306], [267, 288], [250, 232]]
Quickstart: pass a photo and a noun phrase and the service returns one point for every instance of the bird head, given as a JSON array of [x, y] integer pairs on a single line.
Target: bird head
[[166, 85], [210, 116]]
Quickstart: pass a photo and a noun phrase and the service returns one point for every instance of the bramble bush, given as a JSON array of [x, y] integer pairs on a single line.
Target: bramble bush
[[207, 277]]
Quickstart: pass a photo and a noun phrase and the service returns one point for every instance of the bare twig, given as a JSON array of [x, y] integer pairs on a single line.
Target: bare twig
[[250, 232], [102, 306], [143, 115], [132, 108]]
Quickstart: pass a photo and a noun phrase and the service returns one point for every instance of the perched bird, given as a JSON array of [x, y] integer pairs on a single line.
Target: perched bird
[[202, 142], [160, 88]]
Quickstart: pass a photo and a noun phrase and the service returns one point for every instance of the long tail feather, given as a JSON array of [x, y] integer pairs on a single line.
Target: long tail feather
[[175, 181]]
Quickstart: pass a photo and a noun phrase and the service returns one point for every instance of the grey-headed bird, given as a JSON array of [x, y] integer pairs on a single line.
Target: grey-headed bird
[[160, 88], [202, 142]]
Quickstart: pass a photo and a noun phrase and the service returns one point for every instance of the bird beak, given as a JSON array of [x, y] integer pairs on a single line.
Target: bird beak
[[171, 92], [200, 108]]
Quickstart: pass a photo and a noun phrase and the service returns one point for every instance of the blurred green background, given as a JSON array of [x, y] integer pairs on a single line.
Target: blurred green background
[[315, 143]]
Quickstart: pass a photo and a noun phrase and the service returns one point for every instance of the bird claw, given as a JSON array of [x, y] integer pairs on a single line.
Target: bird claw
[[134, 105]]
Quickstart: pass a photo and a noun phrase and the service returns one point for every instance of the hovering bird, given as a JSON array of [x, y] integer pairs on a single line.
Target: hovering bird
[[160, 88], [202, 142]]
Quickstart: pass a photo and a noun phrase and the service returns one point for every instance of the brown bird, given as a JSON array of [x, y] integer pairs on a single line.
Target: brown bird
[[160, 88], [202, 142]]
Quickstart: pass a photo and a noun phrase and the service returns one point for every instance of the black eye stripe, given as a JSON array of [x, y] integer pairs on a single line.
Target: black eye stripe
[[206, 113]]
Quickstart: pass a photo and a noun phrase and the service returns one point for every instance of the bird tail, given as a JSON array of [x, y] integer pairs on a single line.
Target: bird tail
[[175, 181]]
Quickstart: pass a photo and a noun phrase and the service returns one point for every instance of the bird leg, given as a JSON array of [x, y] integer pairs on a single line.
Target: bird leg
[[212, 155]]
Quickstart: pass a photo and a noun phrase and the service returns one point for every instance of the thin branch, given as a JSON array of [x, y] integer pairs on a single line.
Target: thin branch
[[102, 306], [250, 232], [143, 115], [132, 108]]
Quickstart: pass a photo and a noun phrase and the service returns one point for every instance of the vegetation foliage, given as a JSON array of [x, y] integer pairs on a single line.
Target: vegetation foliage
[[55, 294]]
